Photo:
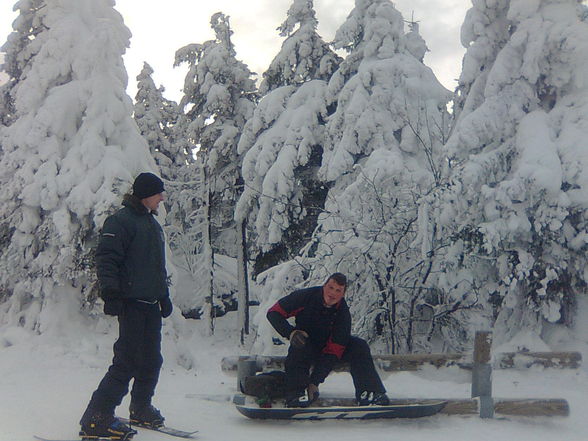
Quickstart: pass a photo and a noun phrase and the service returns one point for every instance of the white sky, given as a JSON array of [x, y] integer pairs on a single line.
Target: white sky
[[160, 28]]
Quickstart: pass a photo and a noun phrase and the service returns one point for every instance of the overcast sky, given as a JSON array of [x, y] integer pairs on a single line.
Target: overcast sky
[[160, 28]]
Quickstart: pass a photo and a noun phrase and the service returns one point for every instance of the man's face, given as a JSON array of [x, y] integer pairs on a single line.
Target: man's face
[[152, 202], [332, 292]]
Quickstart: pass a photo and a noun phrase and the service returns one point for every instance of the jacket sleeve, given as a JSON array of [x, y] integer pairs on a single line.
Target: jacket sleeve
[[285, 308], [110, 255], [333, 350]]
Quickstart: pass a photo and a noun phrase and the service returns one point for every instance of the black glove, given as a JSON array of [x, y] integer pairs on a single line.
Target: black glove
[[110, 294], [112, 301], [166, 307], [113, 307], [298, 338]]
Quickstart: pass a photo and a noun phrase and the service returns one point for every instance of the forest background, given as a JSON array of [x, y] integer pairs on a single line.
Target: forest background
[[450, 211]]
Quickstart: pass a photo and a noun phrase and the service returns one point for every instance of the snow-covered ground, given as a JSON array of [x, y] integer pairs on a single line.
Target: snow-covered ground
[[46, 381]]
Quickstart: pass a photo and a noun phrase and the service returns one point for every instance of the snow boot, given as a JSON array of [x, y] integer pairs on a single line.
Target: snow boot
[[145, 415], [300, 399], [99, 425], [367, 398]]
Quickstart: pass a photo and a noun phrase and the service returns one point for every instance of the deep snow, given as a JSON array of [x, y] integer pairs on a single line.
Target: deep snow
[[47, 380]]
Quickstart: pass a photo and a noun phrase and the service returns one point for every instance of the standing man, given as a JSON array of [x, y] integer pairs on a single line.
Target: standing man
[[130, 261], [322, 336]]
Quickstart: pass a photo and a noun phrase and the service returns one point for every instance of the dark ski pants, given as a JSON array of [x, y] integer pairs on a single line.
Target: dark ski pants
[[137, 354], [357, 353]]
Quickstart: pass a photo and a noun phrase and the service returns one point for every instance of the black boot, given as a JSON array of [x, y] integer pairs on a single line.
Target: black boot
[[145, 415], [300, 399], [367, 398], [103, 425]]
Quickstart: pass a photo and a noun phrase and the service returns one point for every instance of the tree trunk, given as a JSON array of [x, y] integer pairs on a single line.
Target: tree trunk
[[243, 313], [209, 253]]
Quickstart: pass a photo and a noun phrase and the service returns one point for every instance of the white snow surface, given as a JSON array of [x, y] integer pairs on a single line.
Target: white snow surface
[[47, 381]]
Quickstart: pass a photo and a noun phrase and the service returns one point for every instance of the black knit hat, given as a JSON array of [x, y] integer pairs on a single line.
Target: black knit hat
[[147, 184]]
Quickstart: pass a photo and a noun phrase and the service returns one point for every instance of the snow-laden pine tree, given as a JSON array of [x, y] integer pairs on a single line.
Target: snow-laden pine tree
[[158, 121], [219, 97], [17, 52], [70, 154], [382, 155], [516, 208], [484, 33], [304, 55], [156, 117], [283, 143]]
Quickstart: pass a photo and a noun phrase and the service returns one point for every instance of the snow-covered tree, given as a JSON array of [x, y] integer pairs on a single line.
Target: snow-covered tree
[[71, 152], [382, 155], [219, 97], [18, 52], [156, 117], [282, 195], [516, 206], [162, 125], [304, 55], [379, 105], [484, 33], [283, 140]]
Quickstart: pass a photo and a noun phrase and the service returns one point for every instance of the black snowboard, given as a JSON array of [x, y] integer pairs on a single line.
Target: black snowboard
[[39, 438], [163, 429], [324, 409]]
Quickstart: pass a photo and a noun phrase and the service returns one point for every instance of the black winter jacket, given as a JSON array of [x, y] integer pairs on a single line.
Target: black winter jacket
[[328, 328], [130, 258]]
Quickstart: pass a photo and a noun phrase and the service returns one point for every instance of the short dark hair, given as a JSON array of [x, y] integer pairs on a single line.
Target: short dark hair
[[339, 278]]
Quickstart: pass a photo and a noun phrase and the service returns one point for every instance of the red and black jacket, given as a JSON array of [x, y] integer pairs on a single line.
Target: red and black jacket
[[328, 328]]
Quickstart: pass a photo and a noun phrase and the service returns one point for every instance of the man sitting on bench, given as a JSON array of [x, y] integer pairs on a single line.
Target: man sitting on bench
[[321, 337]]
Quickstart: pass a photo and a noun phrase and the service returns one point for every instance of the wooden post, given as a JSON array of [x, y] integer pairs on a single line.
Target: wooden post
[[482, 373]]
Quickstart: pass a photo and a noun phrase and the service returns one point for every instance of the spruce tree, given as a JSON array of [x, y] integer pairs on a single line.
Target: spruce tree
[[69, 156], [382, 153], [156, 117], [18, 52], [158, 120], [304, 55], [282, 143], [485, 31], [219, 97], [515, 209]]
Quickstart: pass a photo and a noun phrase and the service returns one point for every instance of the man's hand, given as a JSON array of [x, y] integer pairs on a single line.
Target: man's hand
[[113, 307], [298, 338], [113, 303], [166, 307]]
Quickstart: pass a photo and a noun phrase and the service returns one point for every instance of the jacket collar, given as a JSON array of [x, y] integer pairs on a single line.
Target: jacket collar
[[134, 202]]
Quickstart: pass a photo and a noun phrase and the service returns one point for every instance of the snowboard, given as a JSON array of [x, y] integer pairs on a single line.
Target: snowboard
[[163, 429], [38, 438], [326, 409]]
